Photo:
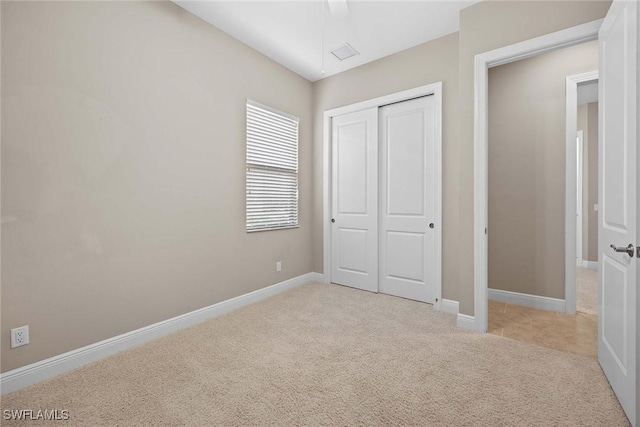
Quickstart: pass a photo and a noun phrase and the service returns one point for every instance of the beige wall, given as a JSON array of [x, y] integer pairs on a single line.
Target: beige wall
[[582, 125], [123, 170], [588, 124], [427, 63], [486, 26], [527, 160], [592, 172]]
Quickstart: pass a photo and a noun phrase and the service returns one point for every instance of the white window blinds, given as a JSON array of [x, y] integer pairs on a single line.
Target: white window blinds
[[272, 169]]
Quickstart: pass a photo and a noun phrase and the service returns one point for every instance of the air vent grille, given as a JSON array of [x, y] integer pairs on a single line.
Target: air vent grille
[[344, 52]]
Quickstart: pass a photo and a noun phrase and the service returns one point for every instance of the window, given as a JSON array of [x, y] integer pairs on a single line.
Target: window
[[272, 168]]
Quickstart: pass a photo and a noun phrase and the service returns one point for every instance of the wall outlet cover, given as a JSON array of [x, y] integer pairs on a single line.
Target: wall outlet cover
[[20, 336]]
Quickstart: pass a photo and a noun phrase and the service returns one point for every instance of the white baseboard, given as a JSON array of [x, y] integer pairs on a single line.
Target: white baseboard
[[590, 264], [464, 321], [534, 301], [311, 277], [56, 365], [449, 306]]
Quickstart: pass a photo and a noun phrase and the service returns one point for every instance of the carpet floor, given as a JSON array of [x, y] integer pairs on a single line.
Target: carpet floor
[[330, 355], [587, 290]]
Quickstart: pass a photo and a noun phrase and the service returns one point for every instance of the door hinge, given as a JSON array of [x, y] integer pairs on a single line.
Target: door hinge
[[637, 251]]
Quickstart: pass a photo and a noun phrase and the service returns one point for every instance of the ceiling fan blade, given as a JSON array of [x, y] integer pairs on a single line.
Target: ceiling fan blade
[[338, 8]]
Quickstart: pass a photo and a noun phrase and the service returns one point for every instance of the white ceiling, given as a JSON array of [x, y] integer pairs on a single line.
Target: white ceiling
[[290, 32]]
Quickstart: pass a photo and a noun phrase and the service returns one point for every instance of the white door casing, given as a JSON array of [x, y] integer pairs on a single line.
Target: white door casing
[[618, 220], [407, 199], [483, 61], [571, 231], [355, 200]]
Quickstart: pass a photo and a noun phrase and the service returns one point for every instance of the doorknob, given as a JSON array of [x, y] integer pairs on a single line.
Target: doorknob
[[333, 220], [629, 249]]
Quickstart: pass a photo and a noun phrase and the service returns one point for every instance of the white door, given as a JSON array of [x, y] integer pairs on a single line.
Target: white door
[[407, 214], [618, 219], [354, 228]]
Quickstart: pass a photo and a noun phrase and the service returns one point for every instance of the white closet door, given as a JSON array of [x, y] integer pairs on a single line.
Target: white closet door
[[408, 180], [354, 228]]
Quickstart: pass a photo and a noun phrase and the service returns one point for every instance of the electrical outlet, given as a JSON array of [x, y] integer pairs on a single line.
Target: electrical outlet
[[279, 266], [19, 336]]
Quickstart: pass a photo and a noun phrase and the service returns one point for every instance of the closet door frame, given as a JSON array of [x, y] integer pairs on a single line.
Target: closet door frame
[[434, 89]]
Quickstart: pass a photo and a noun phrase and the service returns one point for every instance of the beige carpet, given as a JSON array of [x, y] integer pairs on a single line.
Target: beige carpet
[[587, 290], [329, 355]]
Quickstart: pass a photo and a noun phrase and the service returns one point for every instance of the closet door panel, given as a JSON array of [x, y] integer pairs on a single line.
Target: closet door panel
[[407, 193], [354, 227]]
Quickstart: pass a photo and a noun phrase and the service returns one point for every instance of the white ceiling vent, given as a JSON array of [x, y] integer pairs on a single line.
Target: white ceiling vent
[[344, 52]]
